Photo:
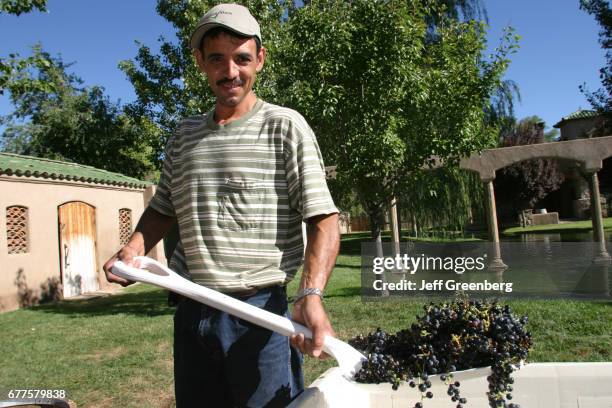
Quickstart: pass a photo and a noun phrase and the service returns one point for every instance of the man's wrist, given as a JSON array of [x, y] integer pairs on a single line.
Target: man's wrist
[[302, 293], [136, 243]]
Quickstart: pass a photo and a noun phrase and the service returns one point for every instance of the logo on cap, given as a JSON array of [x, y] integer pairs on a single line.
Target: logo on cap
[[214, 15]]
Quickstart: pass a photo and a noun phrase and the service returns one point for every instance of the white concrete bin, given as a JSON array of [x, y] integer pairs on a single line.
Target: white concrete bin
[[536, 385]]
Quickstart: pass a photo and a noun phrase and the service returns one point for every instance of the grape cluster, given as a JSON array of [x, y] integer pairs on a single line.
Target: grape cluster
[[449, 337]]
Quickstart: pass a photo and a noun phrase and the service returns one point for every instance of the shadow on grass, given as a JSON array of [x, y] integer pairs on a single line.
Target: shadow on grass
[[141, 303], [352, 247], [348, 291], [575, 230], [350, 244], [340, 265]]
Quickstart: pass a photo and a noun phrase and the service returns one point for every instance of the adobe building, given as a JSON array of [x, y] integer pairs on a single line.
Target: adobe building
[[59, 223], [572, 199]]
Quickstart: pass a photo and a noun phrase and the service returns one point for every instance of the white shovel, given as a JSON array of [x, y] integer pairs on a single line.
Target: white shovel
[[157, 274]]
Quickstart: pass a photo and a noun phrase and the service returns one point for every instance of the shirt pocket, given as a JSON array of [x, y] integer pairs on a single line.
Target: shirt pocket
[[240, 204]]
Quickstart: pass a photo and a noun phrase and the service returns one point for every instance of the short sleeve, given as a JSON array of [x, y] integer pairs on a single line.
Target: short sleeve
[[307, 187], [161, 201]]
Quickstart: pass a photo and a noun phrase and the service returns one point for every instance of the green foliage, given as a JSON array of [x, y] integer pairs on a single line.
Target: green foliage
[[500, 110], [469, 9], [601, 99], [382, 94], [18, 7], [552, 135], [56, 117], [444, 199]]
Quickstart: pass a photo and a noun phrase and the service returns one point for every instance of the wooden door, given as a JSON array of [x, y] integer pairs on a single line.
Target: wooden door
[[77, 228]]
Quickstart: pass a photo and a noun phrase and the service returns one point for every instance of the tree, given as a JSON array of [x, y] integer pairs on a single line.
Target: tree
[[446, 199], [469, 9], [382, 93], [18, 7], [499, 112], [57, 117], [601, 99], [521, 185]]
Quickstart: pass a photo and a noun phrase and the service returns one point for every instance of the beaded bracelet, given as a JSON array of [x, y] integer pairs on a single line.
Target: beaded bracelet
[[308, 291]]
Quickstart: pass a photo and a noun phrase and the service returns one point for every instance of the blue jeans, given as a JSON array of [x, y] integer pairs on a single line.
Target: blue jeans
[[223, 361]]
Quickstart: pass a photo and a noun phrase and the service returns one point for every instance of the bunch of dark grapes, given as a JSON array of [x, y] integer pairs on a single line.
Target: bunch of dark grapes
[[449, 337]]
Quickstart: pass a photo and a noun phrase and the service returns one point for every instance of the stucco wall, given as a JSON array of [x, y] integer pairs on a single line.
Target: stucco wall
[[42, 199], [579, 128]]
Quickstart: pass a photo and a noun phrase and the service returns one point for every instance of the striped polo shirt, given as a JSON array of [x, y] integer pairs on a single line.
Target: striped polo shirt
[[240, 192]]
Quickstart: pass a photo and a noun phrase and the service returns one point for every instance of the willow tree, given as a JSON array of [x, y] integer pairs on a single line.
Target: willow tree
[[444, 199], [384, 92]]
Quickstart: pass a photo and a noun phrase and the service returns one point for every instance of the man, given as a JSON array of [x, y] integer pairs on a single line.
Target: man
[[239, 180]]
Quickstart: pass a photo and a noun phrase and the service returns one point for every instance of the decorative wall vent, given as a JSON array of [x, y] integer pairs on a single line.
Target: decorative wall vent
[[17, 229], [125, 225]]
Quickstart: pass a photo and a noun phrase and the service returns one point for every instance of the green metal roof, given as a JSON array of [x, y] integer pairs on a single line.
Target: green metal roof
[[29, 166], [579, 114]]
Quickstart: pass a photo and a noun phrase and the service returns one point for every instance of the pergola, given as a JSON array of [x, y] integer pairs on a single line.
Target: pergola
[[588, 154]]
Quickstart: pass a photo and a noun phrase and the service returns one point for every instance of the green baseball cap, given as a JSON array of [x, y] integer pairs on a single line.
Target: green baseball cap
[[234, 17]]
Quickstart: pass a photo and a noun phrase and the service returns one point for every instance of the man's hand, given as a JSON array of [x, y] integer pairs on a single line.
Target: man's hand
[[126, 255], [309, 312], [151, 227]]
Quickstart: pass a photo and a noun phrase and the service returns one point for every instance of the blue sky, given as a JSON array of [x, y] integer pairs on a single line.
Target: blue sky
[[559, 48]]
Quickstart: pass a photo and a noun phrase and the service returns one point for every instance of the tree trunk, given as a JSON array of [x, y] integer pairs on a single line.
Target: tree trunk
[[376, 222], [399, 217]]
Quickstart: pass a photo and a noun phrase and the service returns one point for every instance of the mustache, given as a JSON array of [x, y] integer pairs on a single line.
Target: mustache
[[234, 82]]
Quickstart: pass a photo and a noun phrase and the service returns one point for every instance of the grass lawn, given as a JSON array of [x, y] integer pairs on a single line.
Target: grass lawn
[[117, 351], [576, 226]]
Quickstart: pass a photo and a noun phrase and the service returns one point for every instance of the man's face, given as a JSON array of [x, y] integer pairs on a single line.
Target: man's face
[[231, 65]]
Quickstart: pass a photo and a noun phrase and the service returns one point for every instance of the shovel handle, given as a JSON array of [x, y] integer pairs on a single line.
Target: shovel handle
[[348, 358], [155, 273]]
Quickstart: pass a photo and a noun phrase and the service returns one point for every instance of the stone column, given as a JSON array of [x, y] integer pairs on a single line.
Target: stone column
[[602, 254], [395, 229], [497, 264], [304, 237]]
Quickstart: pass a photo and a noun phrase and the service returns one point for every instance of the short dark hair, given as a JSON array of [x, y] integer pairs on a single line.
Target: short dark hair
[[215, 32]]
